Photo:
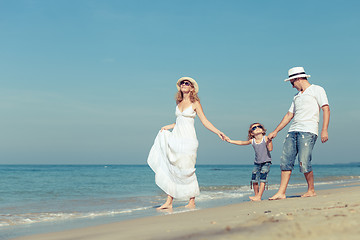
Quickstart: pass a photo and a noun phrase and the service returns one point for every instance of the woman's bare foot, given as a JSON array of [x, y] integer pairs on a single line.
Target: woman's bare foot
[[309, 194], [255, 198], [278, 196], [191, 204], [167, 210], [165, 206]]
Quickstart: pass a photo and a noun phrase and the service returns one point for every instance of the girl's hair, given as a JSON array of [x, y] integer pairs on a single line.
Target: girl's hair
[[250, 136], [193, 96]]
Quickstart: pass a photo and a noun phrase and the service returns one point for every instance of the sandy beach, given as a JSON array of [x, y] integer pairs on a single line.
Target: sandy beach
[[332, 214]]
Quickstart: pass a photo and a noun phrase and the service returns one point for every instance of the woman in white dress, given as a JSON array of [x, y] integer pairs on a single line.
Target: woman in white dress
[[173, 155]]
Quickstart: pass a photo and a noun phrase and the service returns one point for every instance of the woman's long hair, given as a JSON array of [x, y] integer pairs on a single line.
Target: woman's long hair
[[179, 96], [250, 136]]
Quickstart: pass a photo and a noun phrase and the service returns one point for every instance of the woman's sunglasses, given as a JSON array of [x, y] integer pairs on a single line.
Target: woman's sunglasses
[[185, 83], [255, 127]]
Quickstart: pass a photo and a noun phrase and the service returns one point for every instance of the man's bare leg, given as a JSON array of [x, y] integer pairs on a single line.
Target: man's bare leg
[[167, 204], [310, 181], [285, 178]]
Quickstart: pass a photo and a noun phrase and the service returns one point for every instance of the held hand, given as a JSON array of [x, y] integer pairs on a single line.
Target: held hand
[[272, 135], [222, 136], [324, 136], [226, 138]]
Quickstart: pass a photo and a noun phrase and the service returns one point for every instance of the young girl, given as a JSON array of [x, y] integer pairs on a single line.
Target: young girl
[[262, 146]]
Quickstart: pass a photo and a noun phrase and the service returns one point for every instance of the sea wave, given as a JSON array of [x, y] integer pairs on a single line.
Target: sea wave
[[226, 192], [337, 178], [29, 218], [223, 188]]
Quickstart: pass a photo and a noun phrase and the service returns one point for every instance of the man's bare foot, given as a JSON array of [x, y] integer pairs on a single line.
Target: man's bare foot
[[309, 194], [165, 206], [255, 198], [278, 196]]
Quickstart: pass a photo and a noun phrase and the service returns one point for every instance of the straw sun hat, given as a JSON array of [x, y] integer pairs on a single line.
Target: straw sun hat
[[193, 82], [296, 72]]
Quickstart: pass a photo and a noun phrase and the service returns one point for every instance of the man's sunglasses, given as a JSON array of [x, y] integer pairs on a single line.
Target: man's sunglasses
[[292, 81]]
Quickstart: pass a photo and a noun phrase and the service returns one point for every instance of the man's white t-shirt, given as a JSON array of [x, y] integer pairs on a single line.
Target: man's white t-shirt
[[306, 108]]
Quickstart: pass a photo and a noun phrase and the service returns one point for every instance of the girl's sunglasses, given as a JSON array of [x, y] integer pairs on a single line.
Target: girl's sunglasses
[[185, 83], [255, 127]]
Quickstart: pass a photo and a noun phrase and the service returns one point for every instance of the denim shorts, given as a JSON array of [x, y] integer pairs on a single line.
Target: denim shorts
[[300, 144], [260, 172]]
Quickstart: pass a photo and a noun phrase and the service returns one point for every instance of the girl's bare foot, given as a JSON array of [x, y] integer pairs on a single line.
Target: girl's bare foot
[[251, 197], [278, 196], [255, 198]]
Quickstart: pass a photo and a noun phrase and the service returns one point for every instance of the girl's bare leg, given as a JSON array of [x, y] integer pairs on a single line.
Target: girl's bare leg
[[191, 203], [256, 190], [167, 204], [260, 193]]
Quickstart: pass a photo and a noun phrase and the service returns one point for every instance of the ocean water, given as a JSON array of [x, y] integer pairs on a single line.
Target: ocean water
[[44, 198]]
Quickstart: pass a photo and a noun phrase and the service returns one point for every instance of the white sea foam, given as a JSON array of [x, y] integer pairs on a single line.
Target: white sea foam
[[228, 192], [29, 218]]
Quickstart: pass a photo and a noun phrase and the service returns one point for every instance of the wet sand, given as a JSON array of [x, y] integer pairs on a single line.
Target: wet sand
[[332, 214]]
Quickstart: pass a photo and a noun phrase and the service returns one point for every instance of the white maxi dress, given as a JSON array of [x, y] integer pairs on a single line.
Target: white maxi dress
[[173, 157]]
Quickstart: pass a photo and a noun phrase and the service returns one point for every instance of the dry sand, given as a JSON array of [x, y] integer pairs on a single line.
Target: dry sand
[[333, 214]]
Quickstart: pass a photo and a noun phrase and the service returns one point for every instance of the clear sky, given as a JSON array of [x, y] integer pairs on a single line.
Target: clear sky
[[92, 81]]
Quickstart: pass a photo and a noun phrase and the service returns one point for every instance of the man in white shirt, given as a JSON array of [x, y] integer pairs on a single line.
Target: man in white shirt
[[302, 135]]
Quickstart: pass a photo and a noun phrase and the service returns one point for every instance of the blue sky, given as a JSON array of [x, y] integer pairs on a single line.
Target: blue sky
[[92, 82]]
